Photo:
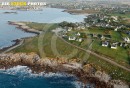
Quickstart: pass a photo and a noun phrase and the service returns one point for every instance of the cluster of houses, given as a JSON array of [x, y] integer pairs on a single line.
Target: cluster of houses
[[113, 22], [101, 20], [106, 41], [114, 45], [98, 20], [74, 36], [104, 21]]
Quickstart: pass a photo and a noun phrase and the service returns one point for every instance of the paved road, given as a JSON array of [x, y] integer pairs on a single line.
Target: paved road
[[97, 55]]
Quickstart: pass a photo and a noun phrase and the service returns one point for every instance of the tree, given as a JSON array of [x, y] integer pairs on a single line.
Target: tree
[[63, 24]]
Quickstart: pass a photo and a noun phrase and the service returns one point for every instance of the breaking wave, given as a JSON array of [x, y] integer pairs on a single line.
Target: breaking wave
[[22, 73]]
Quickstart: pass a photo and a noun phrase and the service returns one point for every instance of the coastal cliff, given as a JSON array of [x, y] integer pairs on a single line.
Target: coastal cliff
[[85, 73]]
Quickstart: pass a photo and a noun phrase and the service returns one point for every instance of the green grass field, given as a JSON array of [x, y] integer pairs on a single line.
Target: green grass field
[[119, 55], [40, 26], [44, 45], [127, 15], [116, 36]]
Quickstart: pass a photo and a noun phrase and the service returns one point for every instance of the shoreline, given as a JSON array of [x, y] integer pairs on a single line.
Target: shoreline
[[24, 27], [40, 66], [17, 42], [79, 12], [85, 74]]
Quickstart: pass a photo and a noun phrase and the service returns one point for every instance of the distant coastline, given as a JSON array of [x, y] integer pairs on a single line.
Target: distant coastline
[[79, 12]]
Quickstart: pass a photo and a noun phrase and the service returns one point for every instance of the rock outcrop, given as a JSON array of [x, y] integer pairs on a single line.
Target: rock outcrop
[[85, 73]]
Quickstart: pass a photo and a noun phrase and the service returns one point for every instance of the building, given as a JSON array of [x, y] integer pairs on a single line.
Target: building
[[79, 39], [78, 34], [126, 39], [106, 43], [116, 29], [114, 45], [72, 38], [70, 29]]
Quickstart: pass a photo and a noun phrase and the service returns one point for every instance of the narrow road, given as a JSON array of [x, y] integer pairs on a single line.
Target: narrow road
[[13, 47], [95, 54]]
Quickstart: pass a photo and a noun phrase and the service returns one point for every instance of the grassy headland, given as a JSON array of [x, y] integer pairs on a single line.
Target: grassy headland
[[32, 45], [87, 11]]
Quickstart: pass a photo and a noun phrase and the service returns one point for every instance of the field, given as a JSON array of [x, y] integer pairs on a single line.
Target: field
[[43, 45], [40, 26], [120, 55], [127, 15], [87, 11]]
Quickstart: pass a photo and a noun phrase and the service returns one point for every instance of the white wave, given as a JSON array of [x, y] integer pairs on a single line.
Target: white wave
[[51, 74], [19, 70], [2, 70], [25, 71], [78, 84]]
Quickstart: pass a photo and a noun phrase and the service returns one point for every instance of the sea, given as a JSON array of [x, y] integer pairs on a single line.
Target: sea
[[22, 76]]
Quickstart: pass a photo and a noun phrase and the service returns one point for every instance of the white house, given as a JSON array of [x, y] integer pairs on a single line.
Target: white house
[[114, 46], [116, 29], [126, 39], [78, 34], [121, 44], [70, 29], [102, 37], [79, 39], [95, 35], [105, 44], [82, 27], [87, 25], [72, 38], [64, 31], [115, 18]]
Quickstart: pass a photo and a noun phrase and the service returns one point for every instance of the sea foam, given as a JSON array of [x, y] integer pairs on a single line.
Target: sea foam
[[23, 72]]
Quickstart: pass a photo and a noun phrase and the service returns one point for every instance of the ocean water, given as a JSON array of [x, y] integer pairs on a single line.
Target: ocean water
[[22, 76], [48, 15]]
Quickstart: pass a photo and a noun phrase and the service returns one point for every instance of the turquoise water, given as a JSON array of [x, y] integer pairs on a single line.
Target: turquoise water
[[20, 76]]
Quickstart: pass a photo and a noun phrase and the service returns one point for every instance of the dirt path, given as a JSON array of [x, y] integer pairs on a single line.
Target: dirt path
[[15, 46]]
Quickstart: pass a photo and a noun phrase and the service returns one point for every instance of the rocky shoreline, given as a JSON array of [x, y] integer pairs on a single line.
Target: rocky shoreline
[[24, 27], [85, 73], [17, 42]]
